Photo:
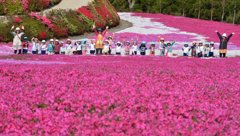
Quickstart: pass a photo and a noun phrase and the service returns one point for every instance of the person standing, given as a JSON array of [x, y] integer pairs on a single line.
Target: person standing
[[162, 46], [194, 49], [92, 47], [211, 52], [186, 50], [143, 48], [68, 47], [25, 45], [17, 42], [57, 47], [134, 48], [43, 47], [224, 39], [100, 37], [51, 47]]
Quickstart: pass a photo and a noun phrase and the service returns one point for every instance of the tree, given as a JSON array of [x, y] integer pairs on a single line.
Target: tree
[[131, 4]]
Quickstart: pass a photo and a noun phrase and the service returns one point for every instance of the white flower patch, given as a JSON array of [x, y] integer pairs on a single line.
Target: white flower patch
[[147, 26]]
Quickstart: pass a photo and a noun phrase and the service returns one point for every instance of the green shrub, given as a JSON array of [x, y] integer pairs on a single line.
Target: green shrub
[[5, 35], [33, 27], [14, 7]]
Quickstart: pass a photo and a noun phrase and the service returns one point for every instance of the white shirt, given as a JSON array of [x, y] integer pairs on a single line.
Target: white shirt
[[186, 49], [63, 49], [211, 49], [17, 39], [92, 47], [43, 47], [68, 46], [79, 47], [34, 46], [118, 49], [134, 48]]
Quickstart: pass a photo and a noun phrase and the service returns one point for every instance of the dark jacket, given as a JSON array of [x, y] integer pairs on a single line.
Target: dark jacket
[[223, 41]]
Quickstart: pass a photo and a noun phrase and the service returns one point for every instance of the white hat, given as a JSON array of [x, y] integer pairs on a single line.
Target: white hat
[[56, 40], [43, 41], [211, 43], [68, 39], [224, 35], [18, 29], [51, 40], [162, 39]]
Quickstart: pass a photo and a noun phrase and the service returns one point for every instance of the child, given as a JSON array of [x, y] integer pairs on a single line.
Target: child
[[118, 48], [211, 51], [62, 48], [57, 47], [106, 47], [43, 47], [17, 43], [79, 47], [206, 50], [200, 49], [51, 47], [35, 45], [169, 49], [194, 49], [92, 47], [68, 47], [143, 48], [127, 47], [25, 45], [110, 39], [162, 46], [134, 48], [84, 47], [185, 50], [74, 48], [152, 48]]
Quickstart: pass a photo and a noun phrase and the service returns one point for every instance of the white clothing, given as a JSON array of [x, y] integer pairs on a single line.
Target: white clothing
[[17, 43], [92, 47], [186, 49], [44, 47], [118, 49]]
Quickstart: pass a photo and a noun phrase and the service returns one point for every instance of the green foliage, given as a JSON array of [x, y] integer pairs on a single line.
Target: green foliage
[[33, 27], [203, 9], [5, 35], [13, 7]]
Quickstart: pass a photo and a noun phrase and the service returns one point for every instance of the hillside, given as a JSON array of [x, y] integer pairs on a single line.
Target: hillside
[[62, 20]]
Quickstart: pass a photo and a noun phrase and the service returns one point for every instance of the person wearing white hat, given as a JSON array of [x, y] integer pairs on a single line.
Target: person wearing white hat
[[134, 48], [106, 47], [43, 47], [206, 49], [68, 47], [17, 35], [51, 47], [35, 45], [224, 39], [118, 48], [186, 49]]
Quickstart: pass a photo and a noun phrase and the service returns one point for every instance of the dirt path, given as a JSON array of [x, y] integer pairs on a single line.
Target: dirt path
[[70, 4]]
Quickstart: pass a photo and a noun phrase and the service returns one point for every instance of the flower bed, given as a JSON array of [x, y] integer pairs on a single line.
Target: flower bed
[[61, 95], [63, 23], [148, 27]]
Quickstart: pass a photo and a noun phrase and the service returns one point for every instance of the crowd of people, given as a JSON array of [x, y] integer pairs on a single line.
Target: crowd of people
[[106, 45]]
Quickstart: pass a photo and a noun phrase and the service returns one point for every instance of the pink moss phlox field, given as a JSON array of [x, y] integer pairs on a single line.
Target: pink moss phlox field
[[119, 96], [203, 27]]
